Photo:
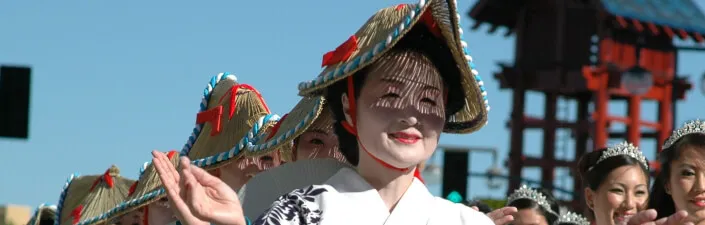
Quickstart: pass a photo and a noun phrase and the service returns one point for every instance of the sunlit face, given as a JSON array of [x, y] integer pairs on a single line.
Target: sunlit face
[[400, 110], [624, 192], [131, 218], [159, 213], [239, 172], [687, 183], [529, 217]]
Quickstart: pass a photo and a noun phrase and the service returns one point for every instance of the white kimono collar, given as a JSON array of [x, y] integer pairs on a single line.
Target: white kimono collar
[[413, 208]]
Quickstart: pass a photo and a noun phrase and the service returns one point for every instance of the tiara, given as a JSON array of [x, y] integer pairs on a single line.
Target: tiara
[[624, 148], [525, 192], [691, 127], [572, 218]]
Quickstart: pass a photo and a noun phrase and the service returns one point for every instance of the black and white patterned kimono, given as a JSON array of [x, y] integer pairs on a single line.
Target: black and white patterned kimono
[[346, 198]]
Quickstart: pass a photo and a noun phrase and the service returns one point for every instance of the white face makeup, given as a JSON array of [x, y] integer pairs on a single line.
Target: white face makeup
[[239, 172], [160, 213], [401, 109]]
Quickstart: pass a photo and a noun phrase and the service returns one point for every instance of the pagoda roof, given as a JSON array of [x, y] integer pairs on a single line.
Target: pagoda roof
[[683, 18]]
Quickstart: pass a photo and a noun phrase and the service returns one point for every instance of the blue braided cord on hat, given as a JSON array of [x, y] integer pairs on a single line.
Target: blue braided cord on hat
[[204, 106], [62, 196], [199, 162], [269, 118], [245, 141], [365, 57], [122, 206], [253, 147]]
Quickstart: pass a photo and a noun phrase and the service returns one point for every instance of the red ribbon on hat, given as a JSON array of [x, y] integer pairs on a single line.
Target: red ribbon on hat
[[106, 177], [427, 19], [76, 214], [275, 128], [213, 115], [132, 188], [341, 53]]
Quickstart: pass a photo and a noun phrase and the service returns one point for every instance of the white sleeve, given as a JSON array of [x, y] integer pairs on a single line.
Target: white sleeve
[[471, 216]]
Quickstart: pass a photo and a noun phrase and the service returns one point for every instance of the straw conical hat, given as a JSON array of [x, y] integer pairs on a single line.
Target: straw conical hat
[[229, 113], [43, 213], [147, 189], [267, 186], [75, 190], [309, 113], [383, 30], [106, 192]]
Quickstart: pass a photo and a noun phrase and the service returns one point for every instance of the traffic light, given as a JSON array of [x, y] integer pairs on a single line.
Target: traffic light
[[455, 173], [14, 101]]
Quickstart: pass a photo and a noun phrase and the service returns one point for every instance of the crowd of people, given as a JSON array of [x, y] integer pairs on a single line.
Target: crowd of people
[[351, 150]]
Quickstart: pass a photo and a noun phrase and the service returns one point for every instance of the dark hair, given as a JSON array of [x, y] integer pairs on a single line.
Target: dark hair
[[483, 207], [659, 199], [551, 218], [418, 39], [47, 217], [593, 174]]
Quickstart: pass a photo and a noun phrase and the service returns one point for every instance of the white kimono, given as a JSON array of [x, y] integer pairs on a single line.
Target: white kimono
[[346, 198]]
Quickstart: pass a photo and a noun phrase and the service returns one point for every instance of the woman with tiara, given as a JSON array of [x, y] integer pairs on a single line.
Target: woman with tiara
[[617, 187], [571, 218], [680, 186], [393, 87], [616, 183], [535, 207]]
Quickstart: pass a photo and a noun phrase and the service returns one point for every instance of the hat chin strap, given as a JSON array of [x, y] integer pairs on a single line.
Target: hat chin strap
[[353, 130]]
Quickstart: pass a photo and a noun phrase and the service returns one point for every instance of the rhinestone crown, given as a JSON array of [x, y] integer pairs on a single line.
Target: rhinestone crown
[[572, 218], [624, 148], [691, 127], [525, 192]]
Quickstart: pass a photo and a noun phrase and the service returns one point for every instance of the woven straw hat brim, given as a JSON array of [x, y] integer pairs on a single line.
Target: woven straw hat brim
[[149, 189], [267, 186], [384, 29], [239, 150], [262, 138], [102, 199], [296, 122]]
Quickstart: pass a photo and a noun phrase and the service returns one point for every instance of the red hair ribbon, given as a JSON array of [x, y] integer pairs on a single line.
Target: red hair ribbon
[[341, 53], [276, 127], [427, 19], [400, 7], [76, 214], [352, 130], [145, 215], [213, 115], [417, 174], [106, 177]]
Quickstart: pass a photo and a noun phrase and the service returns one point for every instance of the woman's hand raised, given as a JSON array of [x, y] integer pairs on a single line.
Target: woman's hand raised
[[647, 217], [206, 197]]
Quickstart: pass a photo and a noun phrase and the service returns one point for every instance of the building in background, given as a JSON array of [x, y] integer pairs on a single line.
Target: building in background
[[14, 214]]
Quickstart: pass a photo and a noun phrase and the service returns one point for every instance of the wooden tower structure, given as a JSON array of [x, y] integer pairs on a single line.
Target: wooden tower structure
[[591, 52]]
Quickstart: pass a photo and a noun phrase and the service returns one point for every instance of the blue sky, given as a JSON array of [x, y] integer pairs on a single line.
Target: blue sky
[[113, 80]]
